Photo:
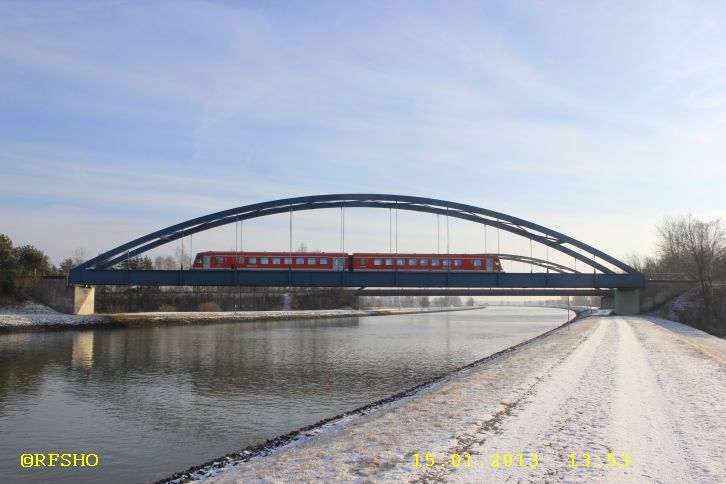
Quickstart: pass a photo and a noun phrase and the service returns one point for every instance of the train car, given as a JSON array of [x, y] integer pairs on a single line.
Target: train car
[[426, 262], [336, 261], [316, 261]]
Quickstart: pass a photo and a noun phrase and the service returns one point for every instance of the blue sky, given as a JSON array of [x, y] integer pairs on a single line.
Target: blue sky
[[593, 118]]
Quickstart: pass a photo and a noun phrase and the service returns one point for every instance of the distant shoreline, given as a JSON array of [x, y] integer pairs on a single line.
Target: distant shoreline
[[47, 320]]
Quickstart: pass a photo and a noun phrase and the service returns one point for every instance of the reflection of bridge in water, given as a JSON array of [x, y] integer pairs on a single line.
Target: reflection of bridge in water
[[602, 274]]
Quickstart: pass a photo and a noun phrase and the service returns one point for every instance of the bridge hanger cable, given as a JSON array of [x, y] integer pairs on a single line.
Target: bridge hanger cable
[[547, 257], [390, 230], [291, 232], [236, 296], [498, 232], [447, 233], [343, 207]]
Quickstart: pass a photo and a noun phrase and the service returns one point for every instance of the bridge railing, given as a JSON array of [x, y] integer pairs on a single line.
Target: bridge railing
[[669, 276]]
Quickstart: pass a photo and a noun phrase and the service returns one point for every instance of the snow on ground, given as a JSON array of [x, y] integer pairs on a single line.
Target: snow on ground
[[634, 386], [27, 307], [672, 309], [601, 312], [190, 316], [33, 315], [704, 342]]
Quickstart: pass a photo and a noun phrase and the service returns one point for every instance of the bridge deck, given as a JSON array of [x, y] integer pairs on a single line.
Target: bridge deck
[[284, 278]]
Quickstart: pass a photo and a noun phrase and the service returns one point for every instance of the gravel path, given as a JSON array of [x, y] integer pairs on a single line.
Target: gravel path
[[644, 391]]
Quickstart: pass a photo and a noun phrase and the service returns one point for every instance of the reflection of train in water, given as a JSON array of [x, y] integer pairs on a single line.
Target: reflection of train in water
[[335, 261]]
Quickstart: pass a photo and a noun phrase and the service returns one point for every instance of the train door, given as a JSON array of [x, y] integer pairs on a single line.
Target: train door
[[490, 265], [338, 264], [206, 262]]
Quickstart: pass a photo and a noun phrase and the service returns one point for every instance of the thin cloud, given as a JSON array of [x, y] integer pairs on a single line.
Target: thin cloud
[[571, 108]]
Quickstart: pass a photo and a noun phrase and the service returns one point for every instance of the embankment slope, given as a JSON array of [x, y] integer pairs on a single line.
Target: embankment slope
[[608, 385]]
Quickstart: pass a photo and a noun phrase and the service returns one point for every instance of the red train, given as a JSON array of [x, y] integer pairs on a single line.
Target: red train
[[335, 261]]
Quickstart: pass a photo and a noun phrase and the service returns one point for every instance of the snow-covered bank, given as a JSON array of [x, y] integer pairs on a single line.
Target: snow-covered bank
[[31, 316], [240, 316], [688, 308], [607, 385], [702, 341]]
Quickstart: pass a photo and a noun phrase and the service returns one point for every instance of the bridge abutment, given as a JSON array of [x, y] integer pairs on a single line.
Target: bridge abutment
[[627, 302], [84, 299]]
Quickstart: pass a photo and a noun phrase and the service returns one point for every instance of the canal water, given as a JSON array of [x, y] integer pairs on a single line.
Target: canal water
[[153, 401]]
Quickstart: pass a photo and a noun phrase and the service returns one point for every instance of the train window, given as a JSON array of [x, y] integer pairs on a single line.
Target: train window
[[300, 261], [400, 262], [240, 260], [311, 261], [434, 262], [446, 262], [424, 262], [219, 259], [477, 262], [288, 261], [276, 260], [324, 261], [264, 260], [457, 262], [364, 261], [377, 262], [389, 262], [253, 260], [412, 262]]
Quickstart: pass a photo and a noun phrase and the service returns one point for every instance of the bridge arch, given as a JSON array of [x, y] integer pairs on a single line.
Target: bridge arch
[[576, 249]]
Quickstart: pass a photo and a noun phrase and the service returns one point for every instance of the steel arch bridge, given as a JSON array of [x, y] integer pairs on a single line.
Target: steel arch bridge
[[603, 270]]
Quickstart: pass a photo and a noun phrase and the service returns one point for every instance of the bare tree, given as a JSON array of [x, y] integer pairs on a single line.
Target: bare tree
[[695, 247], [67, 265], [166, 263], [80, 255], [138, 262], [408, 301], [644, 264], [183, 258]]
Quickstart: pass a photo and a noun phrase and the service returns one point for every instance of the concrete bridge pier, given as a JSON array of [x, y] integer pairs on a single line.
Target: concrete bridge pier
[[627, 302], [84, 298]]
